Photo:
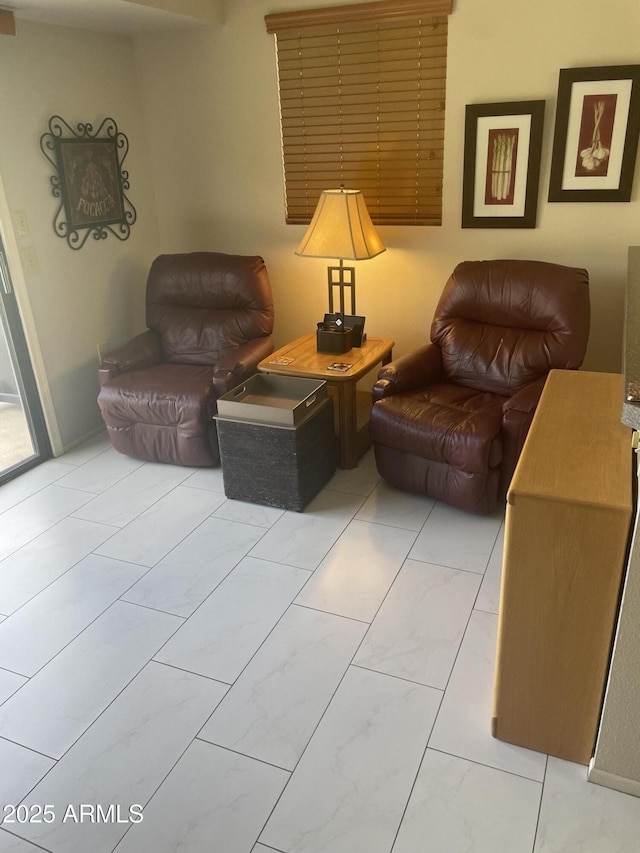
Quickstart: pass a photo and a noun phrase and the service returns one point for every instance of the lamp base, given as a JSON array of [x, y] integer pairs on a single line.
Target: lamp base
[[346, 279]]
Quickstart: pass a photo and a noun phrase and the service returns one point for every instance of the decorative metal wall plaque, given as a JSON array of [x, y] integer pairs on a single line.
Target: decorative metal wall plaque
[[89, 180]]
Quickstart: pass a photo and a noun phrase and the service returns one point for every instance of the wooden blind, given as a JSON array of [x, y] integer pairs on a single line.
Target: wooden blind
[[362, 96]]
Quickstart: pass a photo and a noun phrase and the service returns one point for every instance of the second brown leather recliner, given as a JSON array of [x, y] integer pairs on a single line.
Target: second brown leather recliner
[[209, 319], [449, 420]]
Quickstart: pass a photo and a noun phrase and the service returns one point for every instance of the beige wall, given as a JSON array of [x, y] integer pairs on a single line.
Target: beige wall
[[616, 762], [79, 298], [211, 105], [204, 10]]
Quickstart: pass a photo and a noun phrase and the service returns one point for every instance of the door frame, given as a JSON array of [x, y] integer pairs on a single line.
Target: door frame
[[20, 290]]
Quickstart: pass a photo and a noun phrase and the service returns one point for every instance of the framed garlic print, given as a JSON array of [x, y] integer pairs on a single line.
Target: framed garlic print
[[502, 146], [596, 134]]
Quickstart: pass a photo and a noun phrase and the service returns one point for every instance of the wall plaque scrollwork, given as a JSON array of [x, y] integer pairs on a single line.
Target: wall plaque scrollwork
[[89, 180]]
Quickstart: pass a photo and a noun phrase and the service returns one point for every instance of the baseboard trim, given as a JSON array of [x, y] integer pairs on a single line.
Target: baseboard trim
[[611, 780], [78, 441]]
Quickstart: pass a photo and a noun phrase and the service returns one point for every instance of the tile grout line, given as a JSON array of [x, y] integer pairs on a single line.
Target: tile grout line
[[203, 740], [415, 778], [488, 766], [328, 705], [65, 572], [20, 838], [539, 815]]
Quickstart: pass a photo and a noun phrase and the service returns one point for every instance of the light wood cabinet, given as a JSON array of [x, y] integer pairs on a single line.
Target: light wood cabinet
[[569, 509]]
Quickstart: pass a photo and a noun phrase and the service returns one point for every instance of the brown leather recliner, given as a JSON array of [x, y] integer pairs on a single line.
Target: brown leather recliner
[[449, 420], [209, 319]]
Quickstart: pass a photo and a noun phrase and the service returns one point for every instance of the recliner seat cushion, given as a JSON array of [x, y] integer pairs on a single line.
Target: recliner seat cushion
[[162, 413], [445, 423]]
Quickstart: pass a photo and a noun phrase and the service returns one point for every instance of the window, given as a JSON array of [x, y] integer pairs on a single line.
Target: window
[[362, 95]]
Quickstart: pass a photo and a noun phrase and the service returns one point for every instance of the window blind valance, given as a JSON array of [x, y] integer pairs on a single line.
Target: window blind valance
[[362, 94], [386, 10]]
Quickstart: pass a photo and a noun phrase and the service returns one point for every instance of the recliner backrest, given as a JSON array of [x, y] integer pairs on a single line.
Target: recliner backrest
[[201, 304], [503, 324]]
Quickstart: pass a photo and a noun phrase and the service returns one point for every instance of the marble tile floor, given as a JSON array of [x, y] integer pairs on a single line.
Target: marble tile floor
[[180, 672]]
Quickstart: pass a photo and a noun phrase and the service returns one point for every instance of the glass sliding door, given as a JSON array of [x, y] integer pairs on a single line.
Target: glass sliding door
[[23, 435]]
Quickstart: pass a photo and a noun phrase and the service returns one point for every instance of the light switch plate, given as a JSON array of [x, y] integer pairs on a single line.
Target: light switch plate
[[20, 220], [30, 263]]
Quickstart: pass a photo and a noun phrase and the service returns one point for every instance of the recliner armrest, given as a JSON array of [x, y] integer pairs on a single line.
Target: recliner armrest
[[415, 370], [138, 353], [240, 363], [526, 399]]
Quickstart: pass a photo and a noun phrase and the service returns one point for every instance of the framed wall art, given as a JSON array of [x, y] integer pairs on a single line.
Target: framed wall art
[[89, 180], [596, 134], [502, 146]]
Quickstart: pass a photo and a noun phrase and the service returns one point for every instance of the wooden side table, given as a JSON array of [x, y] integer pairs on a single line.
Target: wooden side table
[[353, 410]]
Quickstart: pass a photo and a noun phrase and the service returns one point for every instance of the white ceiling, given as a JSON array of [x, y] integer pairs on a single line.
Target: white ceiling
[[116, 16]]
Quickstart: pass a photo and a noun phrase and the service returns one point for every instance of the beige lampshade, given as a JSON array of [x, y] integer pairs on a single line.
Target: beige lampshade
[[341, 228]]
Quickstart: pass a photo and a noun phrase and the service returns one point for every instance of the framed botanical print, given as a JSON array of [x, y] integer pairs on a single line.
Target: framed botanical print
[[502, 148], [596, 134]]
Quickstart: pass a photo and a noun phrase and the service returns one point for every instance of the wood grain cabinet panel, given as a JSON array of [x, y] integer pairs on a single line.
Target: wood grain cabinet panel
[[568, 516]]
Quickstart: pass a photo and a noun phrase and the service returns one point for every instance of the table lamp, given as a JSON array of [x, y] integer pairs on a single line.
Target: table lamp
[[341, 228]]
